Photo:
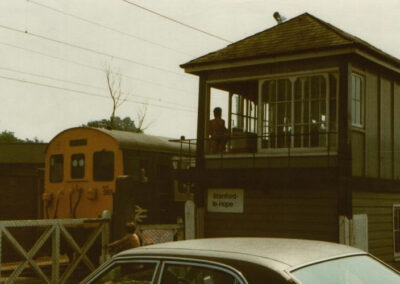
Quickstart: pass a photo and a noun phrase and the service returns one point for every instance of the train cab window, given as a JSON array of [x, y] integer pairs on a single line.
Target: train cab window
[[77, 166], [103, 166], [56, 168]]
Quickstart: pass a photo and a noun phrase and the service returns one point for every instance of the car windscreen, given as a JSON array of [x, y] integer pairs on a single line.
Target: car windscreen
[[351, 270]]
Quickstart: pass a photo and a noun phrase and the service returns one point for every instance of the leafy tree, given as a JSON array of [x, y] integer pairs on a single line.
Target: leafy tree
[[125, 124], [9, 137]]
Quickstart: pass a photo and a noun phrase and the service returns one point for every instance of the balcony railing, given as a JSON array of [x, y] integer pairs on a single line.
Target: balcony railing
[[298, 149], [253, 143]]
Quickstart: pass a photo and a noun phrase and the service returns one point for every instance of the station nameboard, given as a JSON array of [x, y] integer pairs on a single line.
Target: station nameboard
[[225, 200]]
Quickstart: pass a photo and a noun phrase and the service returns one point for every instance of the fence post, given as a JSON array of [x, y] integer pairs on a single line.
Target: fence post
[[180, 233], [55, 255], [190, 220], [1, 242], [105, 236]]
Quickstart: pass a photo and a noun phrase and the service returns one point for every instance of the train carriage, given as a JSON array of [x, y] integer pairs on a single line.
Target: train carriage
[[84, 166]]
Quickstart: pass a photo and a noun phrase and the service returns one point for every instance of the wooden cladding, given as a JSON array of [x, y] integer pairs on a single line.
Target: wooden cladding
[[379, 207], [293, 213], [376, 147]]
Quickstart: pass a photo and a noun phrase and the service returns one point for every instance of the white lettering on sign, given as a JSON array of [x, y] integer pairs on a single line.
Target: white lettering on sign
[[225, 200]]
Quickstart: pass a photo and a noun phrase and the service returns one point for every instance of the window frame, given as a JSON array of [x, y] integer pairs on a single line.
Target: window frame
[[111, 264], [71, 166], [328, 99], [95, 169], [51, 173], [237, 275], [361, 109], [395, 230], [246, 113]]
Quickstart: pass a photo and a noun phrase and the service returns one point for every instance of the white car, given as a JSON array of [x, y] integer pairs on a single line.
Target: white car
[[244, 260]]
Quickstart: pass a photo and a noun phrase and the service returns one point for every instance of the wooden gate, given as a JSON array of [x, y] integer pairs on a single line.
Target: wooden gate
[[54, 229]]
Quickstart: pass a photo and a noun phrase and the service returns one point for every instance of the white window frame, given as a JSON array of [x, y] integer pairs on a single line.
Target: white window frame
[[360, 108], [260, 78], [396, 228], [292, 78]]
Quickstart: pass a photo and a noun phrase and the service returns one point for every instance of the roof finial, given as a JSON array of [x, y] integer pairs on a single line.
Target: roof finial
[[280, 19]]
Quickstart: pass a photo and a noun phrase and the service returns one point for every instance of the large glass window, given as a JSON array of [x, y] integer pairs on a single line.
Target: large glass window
[[56, 168], [357, 97], [244, 114], [296, 112], [77, 166], [103, 166]]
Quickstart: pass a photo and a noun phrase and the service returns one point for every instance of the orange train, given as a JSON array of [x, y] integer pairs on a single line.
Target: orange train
[[83, 166]]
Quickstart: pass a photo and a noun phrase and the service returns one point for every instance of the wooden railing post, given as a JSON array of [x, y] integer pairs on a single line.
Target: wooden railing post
[[55, 255], [1, 248], [105, 236]]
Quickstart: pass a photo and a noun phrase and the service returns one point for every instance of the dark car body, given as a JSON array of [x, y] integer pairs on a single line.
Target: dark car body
[[243, 260]]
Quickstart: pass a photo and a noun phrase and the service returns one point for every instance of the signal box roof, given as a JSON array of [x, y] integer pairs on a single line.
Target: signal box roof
[[301, 34]]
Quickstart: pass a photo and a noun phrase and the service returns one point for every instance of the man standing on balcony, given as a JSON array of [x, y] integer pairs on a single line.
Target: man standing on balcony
[[217, 132]]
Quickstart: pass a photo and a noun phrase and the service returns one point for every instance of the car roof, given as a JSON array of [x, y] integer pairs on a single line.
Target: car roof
[[275, 253]]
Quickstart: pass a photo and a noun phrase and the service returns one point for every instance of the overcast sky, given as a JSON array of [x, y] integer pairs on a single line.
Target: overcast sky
[[53, 54]]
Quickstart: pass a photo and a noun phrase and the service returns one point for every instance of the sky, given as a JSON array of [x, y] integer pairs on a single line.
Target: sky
[[54, 53]]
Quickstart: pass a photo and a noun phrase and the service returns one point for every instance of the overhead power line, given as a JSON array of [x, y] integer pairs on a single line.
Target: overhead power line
[[91, 67], [176, 21], [107, 27], [90, 86], [51, 78], [91, 50], [89, 93]]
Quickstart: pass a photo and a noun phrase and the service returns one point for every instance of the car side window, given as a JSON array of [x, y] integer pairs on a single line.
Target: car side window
[[128, 273], [196, 274]]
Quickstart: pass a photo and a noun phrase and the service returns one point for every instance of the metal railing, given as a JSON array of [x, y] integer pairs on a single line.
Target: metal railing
[[54, 229], [250, 142]]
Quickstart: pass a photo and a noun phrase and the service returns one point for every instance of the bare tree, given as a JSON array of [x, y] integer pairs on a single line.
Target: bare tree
[[118, 97], [114, 81], [140, 119]]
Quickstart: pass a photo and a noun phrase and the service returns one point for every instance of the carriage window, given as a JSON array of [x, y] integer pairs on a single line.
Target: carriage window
[[77, 166], [56, 168], [103, 166]]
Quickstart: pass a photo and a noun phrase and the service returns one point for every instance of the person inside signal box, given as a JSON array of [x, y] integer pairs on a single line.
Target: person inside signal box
[[218, 132], [130, 240]]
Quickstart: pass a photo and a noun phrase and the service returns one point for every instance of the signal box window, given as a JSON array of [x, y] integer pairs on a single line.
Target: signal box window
[[103, 166], [56, 168], [77, 166], [357, 100]]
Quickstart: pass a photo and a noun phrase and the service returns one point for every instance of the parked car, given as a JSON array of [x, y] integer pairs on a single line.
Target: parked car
[[244, 260]]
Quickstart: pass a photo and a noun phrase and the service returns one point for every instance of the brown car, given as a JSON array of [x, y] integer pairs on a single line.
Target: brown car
[[244, 260]]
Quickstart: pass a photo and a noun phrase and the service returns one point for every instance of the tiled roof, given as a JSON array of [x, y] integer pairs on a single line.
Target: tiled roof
[[300, 34]]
